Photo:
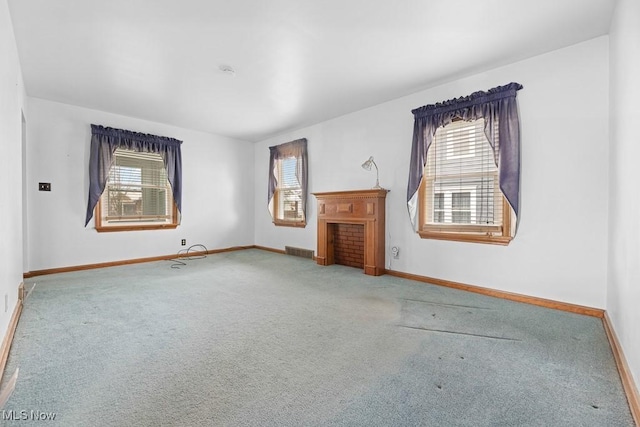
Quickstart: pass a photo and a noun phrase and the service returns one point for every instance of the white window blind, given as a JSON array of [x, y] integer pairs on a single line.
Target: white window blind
[[461, 180], [289, 192], [137, 189]]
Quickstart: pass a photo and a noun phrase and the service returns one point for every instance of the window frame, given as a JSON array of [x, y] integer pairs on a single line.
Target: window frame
[[282, 222], [133, 225], [296, 149], [472, 233]]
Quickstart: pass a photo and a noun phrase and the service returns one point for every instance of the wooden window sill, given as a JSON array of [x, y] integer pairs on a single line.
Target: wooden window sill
[[100, 229], [298, 224], [466, 237]]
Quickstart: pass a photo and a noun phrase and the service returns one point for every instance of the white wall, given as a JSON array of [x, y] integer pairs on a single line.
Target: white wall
[[624, 201], [217, 194], [560, 251], [11, 103]]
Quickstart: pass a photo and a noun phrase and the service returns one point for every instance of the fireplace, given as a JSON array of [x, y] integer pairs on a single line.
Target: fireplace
[[350, 223]]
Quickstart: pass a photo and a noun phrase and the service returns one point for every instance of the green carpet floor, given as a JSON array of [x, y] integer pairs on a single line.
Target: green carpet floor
[[252, 338]]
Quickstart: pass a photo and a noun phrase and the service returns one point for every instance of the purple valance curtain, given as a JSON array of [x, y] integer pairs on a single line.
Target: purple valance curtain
[[105, 140], [498, 104], [297, 149]]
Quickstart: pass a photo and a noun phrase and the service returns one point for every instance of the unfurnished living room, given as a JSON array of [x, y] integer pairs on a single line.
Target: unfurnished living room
[[286, 213]]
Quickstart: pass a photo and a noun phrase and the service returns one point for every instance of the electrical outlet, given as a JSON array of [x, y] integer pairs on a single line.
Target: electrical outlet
[[44, 186], [396, 252], [183, 242]]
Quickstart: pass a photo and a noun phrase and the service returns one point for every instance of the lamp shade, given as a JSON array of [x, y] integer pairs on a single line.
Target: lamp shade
[[367, 165]]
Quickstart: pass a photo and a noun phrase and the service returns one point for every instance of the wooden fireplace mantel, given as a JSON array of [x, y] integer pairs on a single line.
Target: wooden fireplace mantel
[[366, 207]]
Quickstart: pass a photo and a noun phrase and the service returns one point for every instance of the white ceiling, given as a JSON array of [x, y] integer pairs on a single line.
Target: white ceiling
[[297, 62]]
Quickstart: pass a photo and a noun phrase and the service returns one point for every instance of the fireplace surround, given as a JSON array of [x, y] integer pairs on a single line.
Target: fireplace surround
[[358, 207]]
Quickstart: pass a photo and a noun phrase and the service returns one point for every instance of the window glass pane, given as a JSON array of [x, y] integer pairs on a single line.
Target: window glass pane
[[291, 204], [137, 190], [460, 208], [438, 207], [485, 206], [461, 201], [461, 217], [462, 175], [438, 201], [289, 178], [289, 207]]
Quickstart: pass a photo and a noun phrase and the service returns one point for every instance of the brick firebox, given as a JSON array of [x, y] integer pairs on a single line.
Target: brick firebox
[[348, 244]]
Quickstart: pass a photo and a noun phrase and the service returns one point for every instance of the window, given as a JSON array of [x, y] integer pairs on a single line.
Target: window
[[288, 196], [464, 175], [460, 198], [137, 194], [288, 183], [142, 186]]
